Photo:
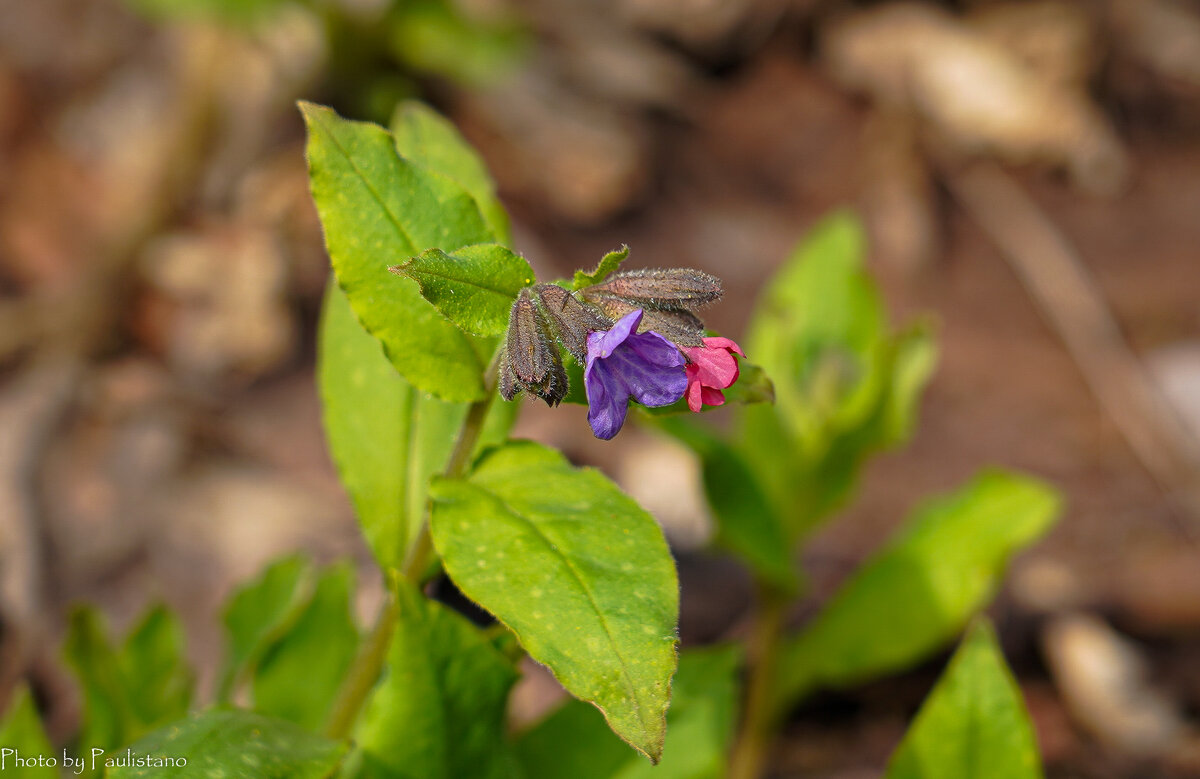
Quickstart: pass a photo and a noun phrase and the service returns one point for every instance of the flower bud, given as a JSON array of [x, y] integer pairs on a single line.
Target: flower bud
[[671, 288], [683, 328], [570, 318], [531, 361]]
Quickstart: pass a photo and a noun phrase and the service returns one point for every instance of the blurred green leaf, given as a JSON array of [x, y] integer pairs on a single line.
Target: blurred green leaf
[[386, 437], [300, 672], [238, 12], [577, 570], [918, 593], [574, 741], [426, 137], [129, 691], [439, 712], [231, 743], [439, 37], [974, 724], [608, 265], [474, 288], [378, 208], [258, 614], [747, 523], [21, 730]]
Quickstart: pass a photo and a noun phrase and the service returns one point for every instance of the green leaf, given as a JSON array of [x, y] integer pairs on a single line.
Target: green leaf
[[386, 437], [578, 571], [260, 613], [574, 741], [974, 724], [229, 743], [608, 264], [128, 692], [919, 592], [237, 12], [474, 288], [159, 680], [747, 523], [378, 208], [300, 673], [22, 730], [439, 712], [426, 137]]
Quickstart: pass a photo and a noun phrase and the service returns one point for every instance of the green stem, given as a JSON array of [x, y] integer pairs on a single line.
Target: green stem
[[369, 664], [754, 737]]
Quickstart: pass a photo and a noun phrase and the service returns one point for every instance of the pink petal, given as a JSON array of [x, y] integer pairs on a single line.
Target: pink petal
[[718, 367], [711, 397], [695, 394], [723, 343]]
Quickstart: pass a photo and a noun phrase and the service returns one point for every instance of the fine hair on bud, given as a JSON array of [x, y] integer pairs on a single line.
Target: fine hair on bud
[[682, 328], [656, 288], [531, 361], [570, 318]]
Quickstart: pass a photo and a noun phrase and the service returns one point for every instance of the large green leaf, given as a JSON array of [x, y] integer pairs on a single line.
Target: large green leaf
[[378, 209], [474, 288], [577, 570], [300, 673], [425, 136], [574, 741], [439, 711], [128, 691], [260, 613], [21, 731], [229, 743], [974, 724], [386, 437], [919, 592]]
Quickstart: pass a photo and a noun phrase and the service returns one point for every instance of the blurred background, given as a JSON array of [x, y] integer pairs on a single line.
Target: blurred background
[[1029, 173]]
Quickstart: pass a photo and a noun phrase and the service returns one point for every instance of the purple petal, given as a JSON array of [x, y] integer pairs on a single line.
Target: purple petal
[[607, 399], [607, 341]]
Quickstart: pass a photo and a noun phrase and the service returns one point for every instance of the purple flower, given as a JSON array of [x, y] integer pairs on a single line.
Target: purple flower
[[623, 364]]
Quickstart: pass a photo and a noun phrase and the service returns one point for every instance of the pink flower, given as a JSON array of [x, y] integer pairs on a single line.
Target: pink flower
[[710, 369]]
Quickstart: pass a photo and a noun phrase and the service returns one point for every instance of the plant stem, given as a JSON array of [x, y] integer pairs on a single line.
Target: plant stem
[[369, 664], [754, 737]]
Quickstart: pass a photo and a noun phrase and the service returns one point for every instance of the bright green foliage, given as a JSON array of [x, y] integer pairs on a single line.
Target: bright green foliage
[[844, 385], [608, 264], [574, 741], [299, 674], [378, 209], [973, 725], [577, 570], [474, 287], [223, 743], [128, 691], [386, 437], [426, 137], [21, 729], [915, 595], [259, 614], [439, 711]]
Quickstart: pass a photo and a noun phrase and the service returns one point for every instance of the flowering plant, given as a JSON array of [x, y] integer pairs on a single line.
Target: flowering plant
[[419, 371]]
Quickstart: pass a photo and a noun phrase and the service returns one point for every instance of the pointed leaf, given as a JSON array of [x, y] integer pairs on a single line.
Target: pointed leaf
[[154, 664], [608, 264], [301, 672], [915, 595], [220, 743], [428, 138], [574, 741], [474, 287], [386, 437], [378, 209], [578, 571], [974, 724], [21, 730], [439, 712]]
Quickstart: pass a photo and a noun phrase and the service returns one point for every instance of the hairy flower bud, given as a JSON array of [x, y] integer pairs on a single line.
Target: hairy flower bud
[[681, 327], [571, 318], [531, 361], [671, 288]]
